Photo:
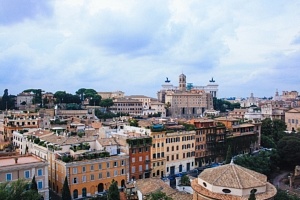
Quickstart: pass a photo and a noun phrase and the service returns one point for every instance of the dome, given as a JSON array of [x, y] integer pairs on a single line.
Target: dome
[[232, 181]]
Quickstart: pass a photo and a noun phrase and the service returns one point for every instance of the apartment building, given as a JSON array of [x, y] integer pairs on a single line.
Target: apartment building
[[292, 119], [25, 167], [24, 99], [144, 99], [242, 137], [209, 141], [111, 95], [158, 107], [128, 106], [180, 151], [16, 121], [158, 159], [90, 173]]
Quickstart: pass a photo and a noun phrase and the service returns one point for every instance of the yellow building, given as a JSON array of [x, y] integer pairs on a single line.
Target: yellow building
[[158, 158], [88, 177], [292, 119]]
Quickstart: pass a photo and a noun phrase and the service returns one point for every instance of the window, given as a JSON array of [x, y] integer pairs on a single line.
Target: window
[[157, 144], [92, 167], [8, 176], [162, 154], [74, 180], [177, 147], [83, 179], [74, 170], [177, 156], [133, 169], [140, 168], [154, 156], [153, 145], [162, 144], [92, 177], [27, 174], [116, 173], [140, 158], [100, 175], [140, 150], [133, 160], [172, 157], [123, 162], [167, 149], [40, 172], [83, 169], [107, 165], [115, 164], [167, 158], [40, 184], [100, 166], [107, 174], [122, 171]]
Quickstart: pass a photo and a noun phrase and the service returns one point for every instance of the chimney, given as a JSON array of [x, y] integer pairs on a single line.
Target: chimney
[[16, 160]]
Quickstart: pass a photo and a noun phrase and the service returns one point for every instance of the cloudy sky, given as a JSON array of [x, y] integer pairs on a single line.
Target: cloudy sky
[[132, 46]]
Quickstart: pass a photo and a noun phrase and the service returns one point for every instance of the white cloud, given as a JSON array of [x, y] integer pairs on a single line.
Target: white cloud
[[133, 45]]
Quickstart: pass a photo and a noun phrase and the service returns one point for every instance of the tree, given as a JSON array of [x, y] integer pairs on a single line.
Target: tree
[[289, 150], [167, 107], [66, 194], [18, 189], [106, 103], [7, 101], [113, 191], [158, 195], [185, 180], [265, 162], [273, 128], [252, 195], [228, 155], [33, 185]]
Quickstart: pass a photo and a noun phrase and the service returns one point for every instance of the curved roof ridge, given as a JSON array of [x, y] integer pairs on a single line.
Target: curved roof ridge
[[221, 174], [247, 172], [236, 175]]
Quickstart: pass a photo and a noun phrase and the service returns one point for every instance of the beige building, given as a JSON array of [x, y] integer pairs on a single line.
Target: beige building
[[292, 119], [180, 151], [128, 106], [158, 159], [111, 95], [25, 167], [231, 182]]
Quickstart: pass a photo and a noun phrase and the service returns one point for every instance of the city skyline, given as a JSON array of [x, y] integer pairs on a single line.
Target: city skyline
[[247, 47]]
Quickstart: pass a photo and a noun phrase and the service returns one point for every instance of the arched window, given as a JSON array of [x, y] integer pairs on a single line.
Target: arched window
[[83, 192], [100, 187], [75, 194]]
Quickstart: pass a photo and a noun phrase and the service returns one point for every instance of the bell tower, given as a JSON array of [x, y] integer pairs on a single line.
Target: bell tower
[[182, 82]]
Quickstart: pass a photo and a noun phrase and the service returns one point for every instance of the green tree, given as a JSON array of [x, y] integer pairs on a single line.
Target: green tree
[[264, 162], [106, 103], [133, 122], [273, 128], [113, 191], [18, 190], [167, 107], [7, 101], [185, 180], [66, 194], [289, 150], [228, 155], [252, 195], [268, 141], [158, 195], [33, 185], [283, 195]]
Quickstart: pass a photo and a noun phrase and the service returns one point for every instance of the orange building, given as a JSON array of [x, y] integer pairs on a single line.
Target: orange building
[[87, 176], [139, 156]]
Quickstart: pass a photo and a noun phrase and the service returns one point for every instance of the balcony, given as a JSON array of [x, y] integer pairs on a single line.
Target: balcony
[[147, 161]]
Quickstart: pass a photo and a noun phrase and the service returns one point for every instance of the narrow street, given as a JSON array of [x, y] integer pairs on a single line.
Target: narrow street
[[278, 183]]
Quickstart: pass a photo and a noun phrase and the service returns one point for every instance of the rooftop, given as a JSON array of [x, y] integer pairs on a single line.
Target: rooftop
[[11, 161], [233, 176]]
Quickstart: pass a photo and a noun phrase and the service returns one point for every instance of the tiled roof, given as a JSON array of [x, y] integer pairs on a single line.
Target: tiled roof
[[61, 140], [150, 185], [107, 141], [233, 176]]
